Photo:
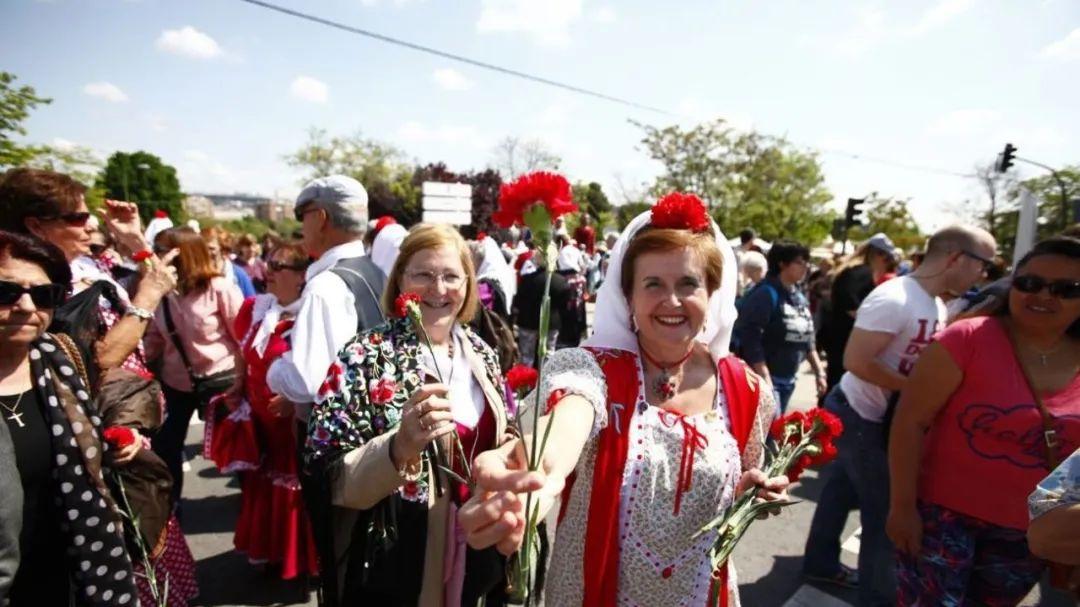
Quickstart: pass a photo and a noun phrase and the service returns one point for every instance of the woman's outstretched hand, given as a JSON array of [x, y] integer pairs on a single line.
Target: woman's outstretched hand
[[495, 514]]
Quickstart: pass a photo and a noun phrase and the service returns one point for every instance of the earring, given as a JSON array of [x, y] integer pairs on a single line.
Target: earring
[[633, 324]]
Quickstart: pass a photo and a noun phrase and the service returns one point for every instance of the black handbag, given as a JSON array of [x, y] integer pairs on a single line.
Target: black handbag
[[205, 387]]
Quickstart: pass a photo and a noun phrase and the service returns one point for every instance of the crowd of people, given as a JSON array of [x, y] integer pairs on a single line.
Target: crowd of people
[[957, 382]]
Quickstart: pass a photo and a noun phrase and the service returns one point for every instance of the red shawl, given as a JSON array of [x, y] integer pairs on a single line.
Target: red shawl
[[601, 577]]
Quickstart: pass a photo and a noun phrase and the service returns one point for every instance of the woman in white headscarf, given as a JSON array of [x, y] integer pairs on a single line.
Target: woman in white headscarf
[[652, 407], [493, 266], [384, 249]]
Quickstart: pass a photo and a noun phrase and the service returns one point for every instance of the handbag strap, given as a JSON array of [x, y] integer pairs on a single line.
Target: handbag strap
[[1050, 440], [179, 345]]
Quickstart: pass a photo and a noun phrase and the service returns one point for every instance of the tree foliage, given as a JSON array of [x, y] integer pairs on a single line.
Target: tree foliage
[[625, 213], [143, 178], [513, 156], [592, 200], [15, 106], [892, 217], [748, 179]]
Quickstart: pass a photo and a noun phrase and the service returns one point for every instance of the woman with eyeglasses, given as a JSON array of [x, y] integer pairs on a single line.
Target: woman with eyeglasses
[[990, 408], [388, 402], [71, 541], [273, 526]]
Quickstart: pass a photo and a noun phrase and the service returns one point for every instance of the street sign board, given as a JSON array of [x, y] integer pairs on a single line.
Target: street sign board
[[457, 218], [447, 203]]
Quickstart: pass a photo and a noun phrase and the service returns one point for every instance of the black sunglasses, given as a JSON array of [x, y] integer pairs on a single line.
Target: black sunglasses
[[72, 219], [44, 296], [1032, 283], [988, 264], [278, 266]]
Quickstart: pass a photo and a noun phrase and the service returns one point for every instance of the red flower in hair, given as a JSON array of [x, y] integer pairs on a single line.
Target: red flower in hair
[[118, 436], [384, 221], [549, 189], [160, 214], [678, 211], [141, 256], [521, 377], [401, 304], [481, 235]]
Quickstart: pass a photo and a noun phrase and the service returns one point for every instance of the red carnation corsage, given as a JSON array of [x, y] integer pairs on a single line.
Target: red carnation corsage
[[678, 211], [549, 189]]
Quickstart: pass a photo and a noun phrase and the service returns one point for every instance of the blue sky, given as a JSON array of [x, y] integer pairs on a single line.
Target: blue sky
[[223, 89]]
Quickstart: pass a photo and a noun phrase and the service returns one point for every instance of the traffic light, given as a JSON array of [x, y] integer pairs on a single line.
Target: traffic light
[[851, 215], [1007, 158]]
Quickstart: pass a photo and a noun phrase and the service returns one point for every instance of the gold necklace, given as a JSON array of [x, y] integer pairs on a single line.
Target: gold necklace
[[13, 410]]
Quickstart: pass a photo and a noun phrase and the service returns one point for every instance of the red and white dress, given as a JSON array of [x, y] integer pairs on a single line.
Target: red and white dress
[[273, 526], [647, 480]]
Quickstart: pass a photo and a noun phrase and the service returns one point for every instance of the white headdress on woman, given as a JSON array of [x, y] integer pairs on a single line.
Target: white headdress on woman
[[385, 247], [612, 315], [494, 265]]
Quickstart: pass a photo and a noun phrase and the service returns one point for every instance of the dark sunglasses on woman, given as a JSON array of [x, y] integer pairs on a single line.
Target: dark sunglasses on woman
[[278, 266], [44, 296], [75, 220], [1032, 283]]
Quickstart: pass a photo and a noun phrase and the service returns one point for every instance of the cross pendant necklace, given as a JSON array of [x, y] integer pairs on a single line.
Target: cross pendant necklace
[[14, 414]]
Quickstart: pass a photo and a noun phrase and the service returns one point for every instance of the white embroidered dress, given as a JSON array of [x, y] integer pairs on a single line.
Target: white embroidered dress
[[659, 564]]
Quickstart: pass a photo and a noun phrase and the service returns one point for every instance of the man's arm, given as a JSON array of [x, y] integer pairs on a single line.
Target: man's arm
[[861, 358], [325, 322]]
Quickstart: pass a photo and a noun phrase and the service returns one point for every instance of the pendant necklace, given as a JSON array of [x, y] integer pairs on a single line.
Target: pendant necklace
[[664, 384], [1043, 356], [13, 411]]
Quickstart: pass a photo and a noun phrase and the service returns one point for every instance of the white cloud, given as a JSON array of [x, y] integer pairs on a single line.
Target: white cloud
[[965, 122], [1066, 49], [309, 89], [692, 110], [63, 144], [548, 23], [451, 79], [603, 14], [105, 90], [188, 42], [868, 31], [941, 13], [417, 132]]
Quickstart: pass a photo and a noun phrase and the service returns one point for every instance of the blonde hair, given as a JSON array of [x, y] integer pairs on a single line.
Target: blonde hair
[[424, 236]]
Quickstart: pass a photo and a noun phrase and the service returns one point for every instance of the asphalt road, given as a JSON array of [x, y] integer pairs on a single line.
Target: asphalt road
[[768, 560]]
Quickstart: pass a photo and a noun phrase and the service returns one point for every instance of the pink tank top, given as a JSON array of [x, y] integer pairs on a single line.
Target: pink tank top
[[985, 452]]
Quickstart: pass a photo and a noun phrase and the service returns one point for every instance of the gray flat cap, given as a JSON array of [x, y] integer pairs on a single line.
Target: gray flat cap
[[337, 190]]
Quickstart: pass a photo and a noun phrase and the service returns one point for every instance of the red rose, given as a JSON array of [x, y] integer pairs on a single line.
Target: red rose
[[522, 378], [141, 256], [678, 211], [549, 189], [119, 436], [401, 304], [383, 391]]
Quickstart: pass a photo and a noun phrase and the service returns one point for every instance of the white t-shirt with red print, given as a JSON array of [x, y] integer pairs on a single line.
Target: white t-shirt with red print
[[903, 308]]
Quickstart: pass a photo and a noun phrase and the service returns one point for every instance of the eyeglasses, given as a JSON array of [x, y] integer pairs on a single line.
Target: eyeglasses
[[988, 264], [1033, 283], [427, 279], [302, 210], [75, 220], [278, 266], [44, 296]]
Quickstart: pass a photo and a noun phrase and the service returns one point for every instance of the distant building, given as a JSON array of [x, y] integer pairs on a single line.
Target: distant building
[[198, 206], [273, 210], [227, 207]]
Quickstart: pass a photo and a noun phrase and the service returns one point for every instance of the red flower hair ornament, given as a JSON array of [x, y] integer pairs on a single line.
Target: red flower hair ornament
[[540, 187], [678, 211], [383, 221]]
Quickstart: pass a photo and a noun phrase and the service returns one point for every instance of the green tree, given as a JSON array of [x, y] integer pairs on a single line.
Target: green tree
[[143, 178], [590, 197], [892, 217], [15, 106], [513, 156], [625, 213], [747, 179], [1047, 193]]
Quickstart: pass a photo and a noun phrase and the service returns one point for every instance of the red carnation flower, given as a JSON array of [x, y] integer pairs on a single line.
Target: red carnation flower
[[384, 221], [829, 425], [678, 211], [828, 454], [160, 214], [401, 304], [141, 256], [481, 235], [119, 436], [549, 189], [522, 378], [799, 467]]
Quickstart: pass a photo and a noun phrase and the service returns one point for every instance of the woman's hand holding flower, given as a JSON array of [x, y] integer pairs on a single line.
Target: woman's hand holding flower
[[769, 489], [425, 417]]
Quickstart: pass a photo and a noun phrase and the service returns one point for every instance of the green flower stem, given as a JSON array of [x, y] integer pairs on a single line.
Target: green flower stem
[[160, 596]]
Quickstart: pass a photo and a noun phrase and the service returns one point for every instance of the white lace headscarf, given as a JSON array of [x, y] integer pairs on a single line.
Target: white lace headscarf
[[385, 247], [612, 315], [493, 265]]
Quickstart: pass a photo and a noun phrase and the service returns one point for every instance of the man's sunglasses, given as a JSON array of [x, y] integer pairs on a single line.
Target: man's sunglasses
[[988, 264], [75, 220], [44, 296], [278, 266], [1032, 283], [302, 210]]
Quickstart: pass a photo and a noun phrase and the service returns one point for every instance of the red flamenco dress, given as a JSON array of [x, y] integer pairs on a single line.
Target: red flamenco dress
[[273, 526]]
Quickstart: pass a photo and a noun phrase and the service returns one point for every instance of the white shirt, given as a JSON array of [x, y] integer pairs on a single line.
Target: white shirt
[[325, 321], [903, 308], [467, 400]]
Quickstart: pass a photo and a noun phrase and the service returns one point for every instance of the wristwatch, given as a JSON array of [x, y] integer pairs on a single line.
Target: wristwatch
[[140, 313]]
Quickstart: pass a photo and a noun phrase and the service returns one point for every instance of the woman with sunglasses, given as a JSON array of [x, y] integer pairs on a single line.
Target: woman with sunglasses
[[273, 526], [71, 541], [989, 410]]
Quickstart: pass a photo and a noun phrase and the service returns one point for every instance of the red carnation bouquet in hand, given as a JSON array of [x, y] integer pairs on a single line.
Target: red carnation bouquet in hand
[[801, 440]]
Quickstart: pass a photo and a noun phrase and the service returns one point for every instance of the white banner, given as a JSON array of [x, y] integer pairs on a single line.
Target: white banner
[[457, 218]]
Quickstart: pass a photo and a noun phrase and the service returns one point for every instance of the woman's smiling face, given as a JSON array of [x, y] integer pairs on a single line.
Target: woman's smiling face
[[669, 297], [439, 278]]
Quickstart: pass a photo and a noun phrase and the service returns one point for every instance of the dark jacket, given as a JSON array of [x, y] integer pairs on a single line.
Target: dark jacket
[[529, 295], [775, 327]]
